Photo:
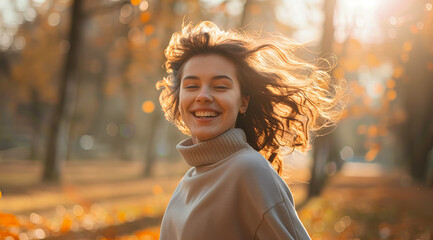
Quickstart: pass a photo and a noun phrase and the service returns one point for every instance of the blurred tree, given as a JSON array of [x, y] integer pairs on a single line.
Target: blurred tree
[[413, 55], [163, 20], [5, 73], [324, 150], [5, 69], [59, 131]]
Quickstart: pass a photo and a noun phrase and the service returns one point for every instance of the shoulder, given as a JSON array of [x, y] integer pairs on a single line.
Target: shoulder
[[255, 177], [250, 161]]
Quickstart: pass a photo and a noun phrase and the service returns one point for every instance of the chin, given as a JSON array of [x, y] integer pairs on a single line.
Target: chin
[[204, 136]]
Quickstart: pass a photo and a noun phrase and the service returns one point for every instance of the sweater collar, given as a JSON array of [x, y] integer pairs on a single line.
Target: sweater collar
[[213, 150]]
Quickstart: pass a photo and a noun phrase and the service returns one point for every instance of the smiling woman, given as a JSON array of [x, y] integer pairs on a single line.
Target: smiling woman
[[210, 96], [237, 96]]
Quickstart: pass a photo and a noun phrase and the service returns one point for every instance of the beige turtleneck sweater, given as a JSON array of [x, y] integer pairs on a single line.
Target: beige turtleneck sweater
[[231, 192]]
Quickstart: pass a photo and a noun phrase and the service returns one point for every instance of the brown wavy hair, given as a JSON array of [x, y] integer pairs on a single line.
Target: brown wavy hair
[[289, 98]]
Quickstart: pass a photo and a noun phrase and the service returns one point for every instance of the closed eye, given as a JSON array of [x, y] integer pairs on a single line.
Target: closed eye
[[221, 87], [191, 87]]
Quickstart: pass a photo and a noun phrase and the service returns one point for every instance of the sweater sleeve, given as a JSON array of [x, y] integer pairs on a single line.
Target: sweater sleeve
[[281, 222], [269, 199]]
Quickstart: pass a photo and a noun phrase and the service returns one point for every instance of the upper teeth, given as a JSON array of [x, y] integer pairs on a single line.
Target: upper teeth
[[205, 114]]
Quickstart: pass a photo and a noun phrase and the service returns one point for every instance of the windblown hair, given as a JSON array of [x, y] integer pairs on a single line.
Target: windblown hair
[[289, 98]]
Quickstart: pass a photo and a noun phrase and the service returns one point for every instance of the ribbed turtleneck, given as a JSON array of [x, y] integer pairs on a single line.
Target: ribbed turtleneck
[[213, 150]]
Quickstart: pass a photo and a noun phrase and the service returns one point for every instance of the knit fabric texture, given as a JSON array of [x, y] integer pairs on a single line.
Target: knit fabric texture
[[230, 192]]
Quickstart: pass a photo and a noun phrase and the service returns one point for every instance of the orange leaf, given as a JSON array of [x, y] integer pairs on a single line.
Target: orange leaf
[[8, 220]]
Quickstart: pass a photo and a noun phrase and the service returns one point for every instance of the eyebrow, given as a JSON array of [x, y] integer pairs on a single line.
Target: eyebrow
[[213, 78]]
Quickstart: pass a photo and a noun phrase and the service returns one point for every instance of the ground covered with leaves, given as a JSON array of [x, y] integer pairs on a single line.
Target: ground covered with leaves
[[383, 207], [100, 200]]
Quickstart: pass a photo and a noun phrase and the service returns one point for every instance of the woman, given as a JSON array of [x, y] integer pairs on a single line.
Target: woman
[[240, 99]]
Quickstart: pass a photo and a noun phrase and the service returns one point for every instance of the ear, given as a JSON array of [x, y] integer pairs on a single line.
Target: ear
[[244, 104]]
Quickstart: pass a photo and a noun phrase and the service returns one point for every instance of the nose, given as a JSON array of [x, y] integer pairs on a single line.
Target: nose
[[204, 96]]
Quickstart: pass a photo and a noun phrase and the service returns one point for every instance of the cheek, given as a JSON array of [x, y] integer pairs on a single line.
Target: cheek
[[183, 103]]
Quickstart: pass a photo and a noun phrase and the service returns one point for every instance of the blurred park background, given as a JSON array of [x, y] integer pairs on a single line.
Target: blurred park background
[[85, 152]]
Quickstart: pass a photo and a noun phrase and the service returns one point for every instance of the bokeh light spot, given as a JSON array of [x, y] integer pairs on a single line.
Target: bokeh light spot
[[398, 72], [23, 236], [126, 130], [126, 11], [54, 19], [390, 83], [346, 153], [19, 43], [39, 233], [404, 57], [78, 210], [145, 17], [372, 153], [135, 2], [154, 43], [112, 129], [148, 106], [86, 142], [149, 29], [60, 210], [407, 46], [373, 130], [144, 5], [420, 25], [339, 226], [35, 218], [391, 95]]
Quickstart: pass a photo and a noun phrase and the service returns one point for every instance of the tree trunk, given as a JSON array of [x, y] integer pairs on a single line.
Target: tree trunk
[[419, 125], [323, 145], [58, 133], [150, 146], [163, 8], [36, 115]]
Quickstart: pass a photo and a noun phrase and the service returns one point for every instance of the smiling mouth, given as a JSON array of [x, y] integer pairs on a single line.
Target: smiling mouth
[[205, 114]]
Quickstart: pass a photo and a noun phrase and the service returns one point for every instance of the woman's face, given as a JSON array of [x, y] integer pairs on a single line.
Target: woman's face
[[210, 96]]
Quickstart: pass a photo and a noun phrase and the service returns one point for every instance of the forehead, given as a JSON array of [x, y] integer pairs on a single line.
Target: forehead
[[209, 65]]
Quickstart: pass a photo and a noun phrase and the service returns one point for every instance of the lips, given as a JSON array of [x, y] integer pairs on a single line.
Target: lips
[[205, 114]]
